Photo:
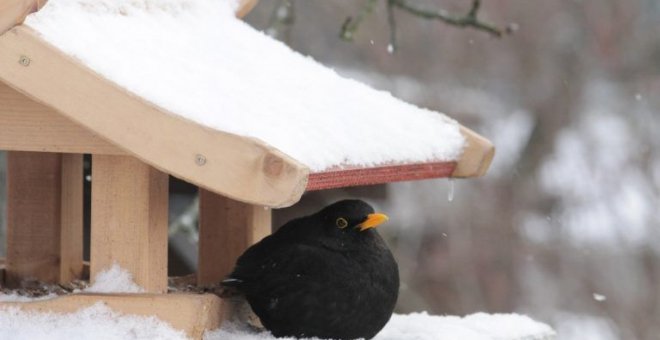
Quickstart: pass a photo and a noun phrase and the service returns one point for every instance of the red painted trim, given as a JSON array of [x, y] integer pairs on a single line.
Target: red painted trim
[[378, 175]]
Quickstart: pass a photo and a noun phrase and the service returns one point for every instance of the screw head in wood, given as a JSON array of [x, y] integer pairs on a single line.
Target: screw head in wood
[[24, 61], [200, 159]]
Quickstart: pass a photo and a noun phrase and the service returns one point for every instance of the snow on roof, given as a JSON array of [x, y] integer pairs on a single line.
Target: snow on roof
[[193, 58], [100, 322]]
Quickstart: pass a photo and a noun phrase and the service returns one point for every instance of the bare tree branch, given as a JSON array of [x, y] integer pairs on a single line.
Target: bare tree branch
[[469, 20]]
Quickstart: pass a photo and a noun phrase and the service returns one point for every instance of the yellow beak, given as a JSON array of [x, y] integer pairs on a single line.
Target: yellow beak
[[373, 220]]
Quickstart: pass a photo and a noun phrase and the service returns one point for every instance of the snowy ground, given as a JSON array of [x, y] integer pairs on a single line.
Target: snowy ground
[[99, 322]]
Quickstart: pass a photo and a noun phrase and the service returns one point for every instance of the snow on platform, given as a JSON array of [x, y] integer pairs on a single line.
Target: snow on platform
[[194, 59], [421, 326], [100, 322]]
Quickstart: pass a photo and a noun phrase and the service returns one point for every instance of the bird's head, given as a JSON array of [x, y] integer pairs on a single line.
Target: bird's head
[[351, 216]]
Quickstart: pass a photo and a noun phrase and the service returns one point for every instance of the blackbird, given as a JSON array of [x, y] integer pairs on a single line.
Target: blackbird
[[328, 275]]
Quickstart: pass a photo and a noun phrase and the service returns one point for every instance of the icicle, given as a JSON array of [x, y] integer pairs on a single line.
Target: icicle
[[450, 193]]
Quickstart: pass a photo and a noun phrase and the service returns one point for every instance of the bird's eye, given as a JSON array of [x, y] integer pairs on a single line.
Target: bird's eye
[[341, 223]]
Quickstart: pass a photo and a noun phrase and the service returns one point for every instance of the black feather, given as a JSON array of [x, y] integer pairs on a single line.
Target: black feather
[[314, 279]]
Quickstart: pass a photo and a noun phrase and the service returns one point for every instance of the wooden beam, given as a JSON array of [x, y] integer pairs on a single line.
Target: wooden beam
[[241, 168], [477, 155], [226, 229], [192, 313], [129, 220], [378, 175], [26, 125], [13, 12], [71, 218], [33, 216]]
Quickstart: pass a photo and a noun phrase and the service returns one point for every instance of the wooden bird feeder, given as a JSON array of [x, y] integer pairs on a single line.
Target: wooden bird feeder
[[53, 110]]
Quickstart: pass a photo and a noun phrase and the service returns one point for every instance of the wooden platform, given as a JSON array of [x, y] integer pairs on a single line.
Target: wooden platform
[[191, 313]]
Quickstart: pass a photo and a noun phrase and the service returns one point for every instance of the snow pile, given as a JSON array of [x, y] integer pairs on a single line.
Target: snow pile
[[421, 326], [14, 297], [100, 322], [114, 280], [96, 322], [196, 60]]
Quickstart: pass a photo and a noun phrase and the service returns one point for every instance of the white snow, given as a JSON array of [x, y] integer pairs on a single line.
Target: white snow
[[100, 322], [421, 326], [196, 60], [96, 322], [114, 280], [14, 297]]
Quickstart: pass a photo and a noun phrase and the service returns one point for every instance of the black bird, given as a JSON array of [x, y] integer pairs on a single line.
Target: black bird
[[328, 275]]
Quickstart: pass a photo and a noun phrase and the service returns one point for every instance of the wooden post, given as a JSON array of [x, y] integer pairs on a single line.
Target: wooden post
[[71, 218], [129, 220], [44, 217], [226, 229]]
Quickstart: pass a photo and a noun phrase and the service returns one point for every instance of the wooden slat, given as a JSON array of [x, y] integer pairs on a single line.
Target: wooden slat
[[33, 216], [477, 155], [191, 313], [226, 229], [26, 125], [378, 175], [71, 218], [129, 220], [13, 12], [241, 168], [474, 162]]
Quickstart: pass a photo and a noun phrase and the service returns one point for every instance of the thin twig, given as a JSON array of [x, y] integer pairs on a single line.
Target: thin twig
[[351, 25], [474, 9], [468, 20]]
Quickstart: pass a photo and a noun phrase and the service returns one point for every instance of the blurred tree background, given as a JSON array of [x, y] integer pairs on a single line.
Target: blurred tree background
[[565, 225]]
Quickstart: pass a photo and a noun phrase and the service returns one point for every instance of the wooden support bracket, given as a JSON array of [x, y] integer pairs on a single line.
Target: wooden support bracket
[[129, 220], [226, 229]]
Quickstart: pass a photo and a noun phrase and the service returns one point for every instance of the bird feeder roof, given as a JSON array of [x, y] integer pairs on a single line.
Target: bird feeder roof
[[190, 89]]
